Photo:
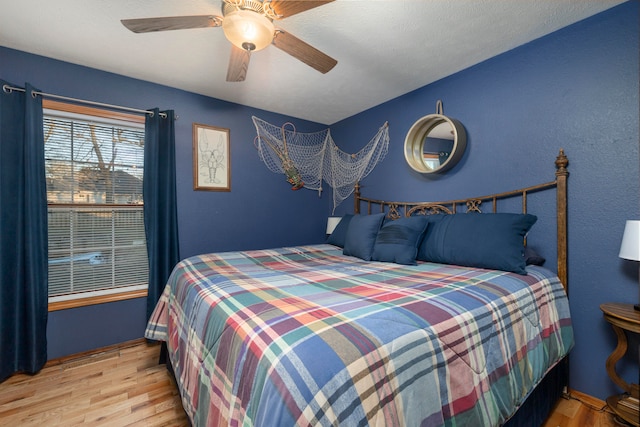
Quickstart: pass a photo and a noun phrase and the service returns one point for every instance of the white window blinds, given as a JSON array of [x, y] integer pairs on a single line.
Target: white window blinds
[[94, 171]]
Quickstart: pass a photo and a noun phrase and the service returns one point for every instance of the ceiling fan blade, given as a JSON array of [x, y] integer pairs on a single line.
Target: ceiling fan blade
[[284, 8], [303, 51], [146, 25], [238, 64]]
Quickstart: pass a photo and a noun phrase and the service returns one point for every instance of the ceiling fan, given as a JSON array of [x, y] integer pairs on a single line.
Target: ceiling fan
[[248, 25]]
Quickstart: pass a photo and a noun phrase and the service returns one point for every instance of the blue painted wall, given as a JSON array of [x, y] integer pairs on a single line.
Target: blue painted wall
[[575, 89], [260, 210]]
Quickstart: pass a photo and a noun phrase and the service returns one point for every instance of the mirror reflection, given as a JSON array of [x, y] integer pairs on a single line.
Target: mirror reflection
[[438, 145]]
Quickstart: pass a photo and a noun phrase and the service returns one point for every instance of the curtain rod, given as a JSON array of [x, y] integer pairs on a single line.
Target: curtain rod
[[9, 89]]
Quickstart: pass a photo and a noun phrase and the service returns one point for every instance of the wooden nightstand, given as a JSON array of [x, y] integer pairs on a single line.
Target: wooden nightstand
[[623, 317]]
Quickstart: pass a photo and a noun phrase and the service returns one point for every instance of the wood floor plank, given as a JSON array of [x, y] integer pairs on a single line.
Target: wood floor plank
[[124, 386], [581, 410], [9, 395]]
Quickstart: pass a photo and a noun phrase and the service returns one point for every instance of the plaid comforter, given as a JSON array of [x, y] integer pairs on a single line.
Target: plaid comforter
[[307, 336]]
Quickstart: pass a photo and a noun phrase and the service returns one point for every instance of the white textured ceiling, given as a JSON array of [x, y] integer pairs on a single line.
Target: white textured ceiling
[[384, 48]]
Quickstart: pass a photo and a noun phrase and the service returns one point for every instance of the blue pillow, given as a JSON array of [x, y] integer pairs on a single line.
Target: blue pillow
[[398, 240], [531, 257], [493, 241], [361, 235], [340, 232]]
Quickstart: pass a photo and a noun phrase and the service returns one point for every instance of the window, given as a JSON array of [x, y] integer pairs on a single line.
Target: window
[[94, 163]]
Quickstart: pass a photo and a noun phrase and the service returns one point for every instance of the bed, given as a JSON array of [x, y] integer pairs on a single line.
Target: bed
[[356, 333]]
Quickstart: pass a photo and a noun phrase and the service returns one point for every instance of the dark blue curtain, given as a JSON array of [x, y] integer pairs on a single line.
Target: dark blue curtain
[[23, 234], [160, 210]]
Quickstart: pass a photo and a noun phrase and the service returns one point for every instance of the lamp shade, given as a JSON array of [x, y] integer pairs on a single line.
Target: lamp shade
[[332, 223], [630, 247], [248, 30]]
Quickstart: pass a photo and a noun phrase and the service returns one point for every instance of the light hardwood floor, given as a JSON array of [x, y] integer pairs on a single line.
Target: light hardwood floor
[[120, 386], [124, 386]]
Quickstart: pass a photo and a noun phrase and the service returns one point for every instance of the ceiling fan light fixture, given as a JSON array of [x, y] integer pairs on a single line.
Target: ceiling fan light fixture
[[248, 30]]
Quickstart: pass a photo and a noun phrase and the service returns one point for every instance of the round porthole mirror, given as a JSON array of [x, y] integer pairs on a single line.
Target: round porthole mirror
[[435, 143]]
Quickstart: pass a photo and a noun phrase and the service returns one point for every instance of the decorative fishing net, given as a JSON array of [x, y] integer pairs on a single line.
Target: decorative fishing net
[[307, 159]]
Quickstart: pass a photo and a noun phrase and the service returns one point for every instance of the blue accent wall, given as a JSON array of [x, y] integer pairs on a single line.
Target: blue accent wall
[[260, 211], [575, 89]]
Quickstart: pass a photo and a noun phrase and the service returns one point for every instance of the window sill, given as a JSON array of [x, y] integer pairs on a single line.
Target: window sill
[[83, 302]]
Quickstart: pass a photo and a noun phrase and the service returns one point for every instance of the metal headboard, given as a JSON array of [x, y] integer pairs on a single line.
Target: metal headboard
[[396, 210]]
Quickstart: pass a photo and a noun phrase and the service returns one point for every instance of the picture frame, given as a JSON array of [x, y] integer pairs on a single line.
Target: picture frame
[[211, 158]]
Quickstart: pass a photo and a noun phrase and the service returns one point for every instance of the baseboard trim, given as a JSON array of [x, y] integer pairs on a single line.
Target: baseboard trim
[[97, 353], [594, 402]]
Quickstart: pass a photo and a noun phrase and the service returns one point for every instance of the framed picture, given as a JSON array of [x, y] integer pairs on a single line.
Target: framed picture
[[211, 158]]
